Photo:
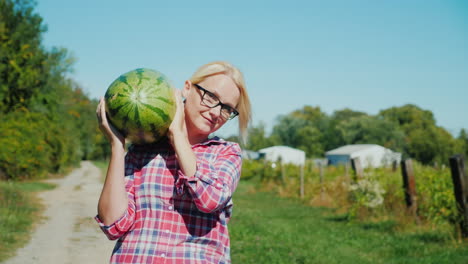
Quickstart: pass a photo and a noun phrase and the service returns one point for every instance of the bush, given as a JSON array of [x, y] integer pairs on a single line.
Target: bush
[[436, 198], [25, 152], [379, 195], [366, 192], [33, 145]]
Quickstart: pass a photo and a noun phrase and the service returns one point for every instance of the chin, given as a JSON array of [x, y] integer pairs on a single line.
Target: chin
[[208, 129]]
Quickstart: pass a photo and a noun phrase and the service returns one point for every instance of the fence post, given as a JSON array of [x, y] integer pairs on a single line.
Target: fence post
[[347, 173], [302, 180], [394, 166], [262, 176], [356, 164], [322, 189], [409, 186], [460, 185], [283, 172]]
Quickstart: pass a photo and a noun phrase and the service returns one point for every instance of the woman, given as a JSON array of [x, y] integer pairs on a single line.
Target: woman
[[170, 202]]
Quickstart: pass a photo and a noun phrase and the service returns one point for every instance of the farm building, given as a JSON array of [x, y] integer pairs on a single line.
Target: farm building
[[370, 155], [251, 155], [285, 154]]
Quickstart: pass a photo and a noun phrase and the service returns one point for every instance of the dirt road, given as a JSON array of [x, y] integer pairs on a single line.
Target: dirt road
[[69, 234]]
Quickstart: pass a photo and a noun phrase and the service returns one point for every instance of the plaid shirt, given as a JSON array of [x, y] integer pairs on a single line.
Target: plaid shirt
[[172, 218]]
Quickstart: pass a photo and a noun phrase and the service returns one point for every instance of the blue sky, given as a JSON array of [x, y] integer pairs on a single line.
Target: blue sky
[[363, 55]]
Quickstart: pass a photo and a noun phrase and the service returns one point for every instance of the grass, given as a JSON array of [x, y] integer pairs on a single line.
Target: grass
[[102, 165], [19, 210], [269, 229]]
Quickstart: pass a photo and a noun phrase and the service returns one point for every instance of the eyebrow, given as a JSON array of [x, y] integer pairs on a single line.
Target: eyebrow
[[208, 91]]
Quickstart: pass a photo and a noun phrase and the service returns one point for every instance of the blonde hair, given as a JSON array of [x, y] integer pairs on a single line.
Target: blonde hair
[[243, 106]]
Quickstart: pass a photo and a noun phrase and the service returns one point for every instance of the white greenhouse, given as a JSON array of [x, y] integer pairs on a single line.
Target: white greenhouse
[[370, 155], [284, 154]]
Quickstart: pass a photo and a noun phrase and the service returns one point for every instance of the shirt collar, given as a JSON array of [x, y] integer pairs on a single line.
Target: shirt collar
[[213, 140]]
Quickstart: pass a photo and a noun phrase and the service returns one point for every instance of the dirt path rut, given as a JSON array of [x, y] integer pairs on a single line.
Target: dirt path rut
[[69, 234]]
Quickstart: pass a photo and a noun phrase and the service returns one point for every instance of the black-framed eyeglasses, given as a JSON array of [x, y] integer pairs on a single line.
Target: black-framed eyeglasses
[[211, 100]]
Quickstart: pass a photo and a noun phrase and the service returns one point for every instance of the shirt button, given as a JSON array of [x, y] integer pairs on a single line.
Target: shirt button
[[170, 207], [167, 231], [163, 255]]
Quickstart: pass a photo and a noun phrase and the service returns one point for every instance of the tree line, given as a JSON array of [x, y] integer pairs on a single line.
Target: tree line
[[408, 129], [48, 122]]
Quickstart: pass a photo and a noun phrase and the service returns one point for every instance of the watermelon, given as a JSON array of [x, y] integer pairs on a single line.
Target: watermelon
[[140, 104]]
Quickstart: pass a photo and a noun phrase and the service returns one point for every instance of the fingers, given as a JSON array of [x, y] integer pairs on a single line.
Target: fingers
[[101, 111], [178, 99], [176, 124], [109, 131], [98, 108], [178, 96]]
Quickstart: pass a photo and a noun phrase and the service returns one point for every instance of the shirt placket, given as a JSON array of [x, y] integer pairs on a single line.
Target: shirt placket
[[166, 230], [167, 223]]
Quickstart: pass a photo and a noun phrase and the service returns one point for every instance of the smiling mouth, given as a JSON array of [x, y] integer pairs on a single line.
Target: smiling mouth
[[210, 121]]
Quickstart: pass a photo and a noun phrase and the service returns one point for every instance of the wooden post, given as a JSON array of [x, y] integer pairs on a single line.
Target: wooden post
[[302, 180], [356, 164], [322, 189], [460, 185], [283, 172], [321, 173], [409, 186], [394, 166], [347, 173], [265, 164]]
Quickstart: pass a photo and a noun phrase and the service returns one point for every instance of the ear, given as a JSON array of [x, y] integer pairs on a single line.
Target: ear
[[187, 86]]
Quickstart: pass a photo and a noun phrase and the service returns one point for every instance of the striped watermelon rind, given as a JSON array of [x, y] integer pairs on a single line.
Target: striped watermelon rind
[[141, 105]]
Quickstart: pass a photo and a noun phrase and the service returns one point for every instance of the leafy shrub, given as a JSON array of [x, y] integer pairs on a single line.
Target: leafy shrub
[[251, 169], [25, 152], [33, 145], [380, 194], [367, 193], [436, 199]]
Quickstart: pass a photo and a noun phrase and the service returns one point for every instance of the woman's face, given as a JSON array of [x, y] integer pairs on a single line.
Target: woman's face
[[202, 120]]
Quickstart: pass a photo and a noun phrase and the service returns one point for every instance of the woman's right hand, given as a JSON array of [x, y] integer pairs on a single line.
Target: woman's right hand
[[178, 127], [113, 201], [115, 138]]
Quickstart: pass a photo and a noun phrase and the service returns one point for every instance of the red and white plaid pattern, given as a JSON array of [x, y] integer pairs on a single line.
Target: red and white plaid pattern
[[172, 218]]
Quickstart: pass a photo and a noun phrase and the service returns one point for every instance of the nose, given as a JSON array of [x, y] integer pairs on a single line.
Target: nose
[[216, 111]]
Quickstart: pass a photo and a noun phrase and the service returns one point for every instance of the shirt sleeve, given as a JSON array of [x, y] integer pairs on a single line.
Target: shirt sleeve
[[125, 223], [215, 180]]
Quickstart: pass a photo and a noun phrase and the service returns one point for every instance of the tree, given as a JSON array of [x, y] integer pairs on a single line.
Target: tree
[[424, 140], [365, 129], [314, 115], [48, 121], [409, 117], [23, 71], [463, 142], [333, 137], [346, 114], [257, 138], [302, 129]]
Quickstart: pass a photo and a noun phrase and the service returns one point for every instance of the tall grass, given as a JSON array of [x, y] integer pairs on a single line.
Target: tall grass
[[19, 210], [266, 228], [378, 196]]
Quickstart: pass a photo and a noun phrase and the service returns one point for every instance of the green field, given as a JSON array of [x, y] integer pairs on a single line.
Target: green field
[[268, 229], [19, 210]]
